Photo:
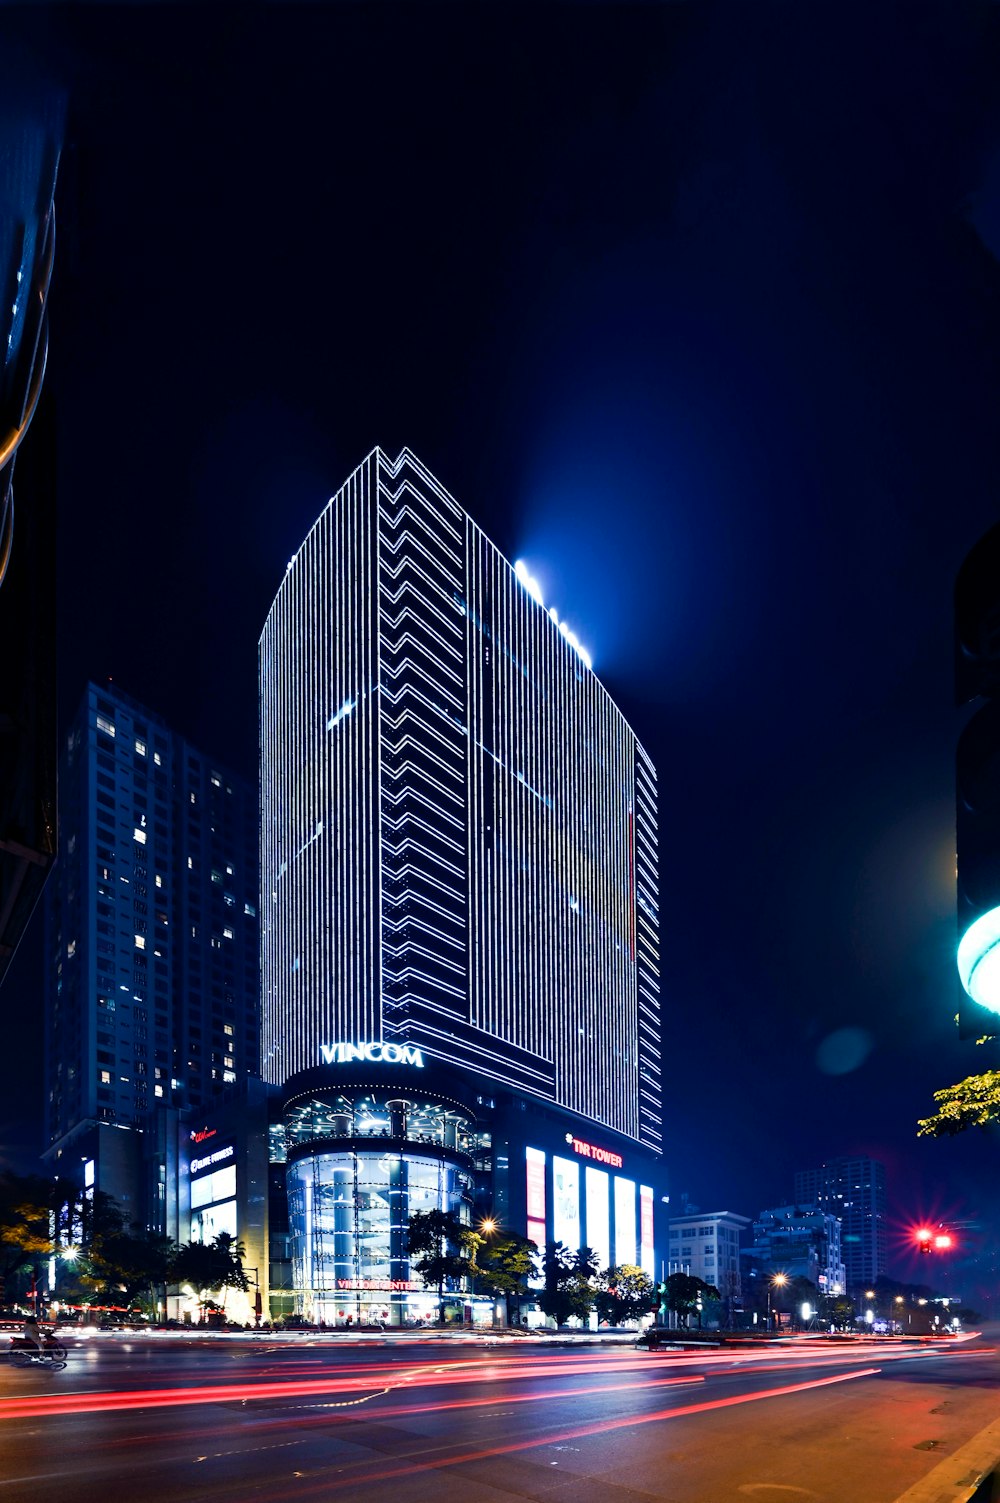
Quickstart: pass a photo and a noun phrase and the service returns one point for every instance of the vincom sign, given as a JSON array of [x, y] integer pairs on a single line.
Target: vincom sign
[[372, 1054]]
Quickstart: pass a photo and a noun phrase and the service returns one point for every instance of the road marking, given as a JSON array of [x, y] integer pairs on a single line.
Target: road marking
[[35, 1477], [283, 1445], [776, 1487]]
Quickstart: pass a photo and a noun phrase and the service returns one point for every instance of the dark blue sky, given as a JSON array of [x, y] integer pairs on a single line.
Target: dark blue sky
[[694, 308]]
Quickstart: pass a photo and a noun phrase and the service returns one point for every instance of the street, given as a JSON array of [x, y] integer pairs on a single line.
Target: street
[[323, 1417]]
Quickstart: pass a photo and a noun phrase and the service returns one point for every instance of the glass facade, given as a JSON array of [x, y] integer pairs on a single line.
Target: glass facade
[[348, 1213], [359, 1165]]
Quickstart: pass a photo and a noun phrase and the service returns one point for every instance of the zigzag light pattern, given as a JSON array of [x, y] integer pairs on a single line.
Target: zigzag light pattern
[[458, 845]]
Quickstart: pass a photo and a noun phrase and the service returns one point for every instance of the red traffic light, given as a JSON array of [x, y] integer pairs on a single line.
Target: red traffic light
[[924, 1237], [942, 1241]]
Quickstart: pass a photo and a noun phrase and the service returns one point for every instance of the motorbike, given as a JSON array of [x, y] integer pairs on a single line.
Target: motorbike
[[51, 1354]]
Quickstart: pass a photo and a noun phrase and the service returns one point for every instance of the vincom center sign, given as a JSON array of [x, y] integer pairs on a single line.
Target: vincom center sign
[[372, 1054]]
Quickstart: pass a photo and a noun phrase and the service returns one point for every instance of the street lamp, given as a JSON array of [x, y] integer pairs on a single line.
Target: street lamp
[[778, 1281], [899, 1300]]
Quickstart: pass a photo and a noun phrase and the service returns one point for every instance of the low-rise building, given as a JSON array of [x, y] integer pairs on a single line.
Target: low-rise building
[[707, 1246]]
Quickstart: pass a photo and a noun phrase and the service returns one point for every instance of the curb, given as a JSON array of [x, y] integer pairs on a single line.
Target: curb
[[969, 1476]]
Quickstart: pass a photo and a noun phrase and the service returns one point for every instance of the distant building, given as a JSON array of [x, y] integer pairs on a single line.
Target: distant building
[[707, 1246], [800, 1241], [152, 996], [853, 1190]]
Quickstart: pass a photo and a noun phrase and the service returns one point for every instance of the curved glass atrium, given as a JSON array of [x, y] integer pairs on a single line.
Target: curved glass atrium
[[350, 1200]]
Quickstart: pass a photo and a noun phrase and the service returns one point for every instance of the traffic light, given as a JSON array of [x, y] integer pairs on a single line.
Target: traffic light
[[928, 1240]]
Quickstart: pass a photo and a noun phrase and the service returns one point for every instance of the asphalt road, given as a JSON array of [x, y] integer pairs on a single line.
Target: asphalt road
[[399, 1421]]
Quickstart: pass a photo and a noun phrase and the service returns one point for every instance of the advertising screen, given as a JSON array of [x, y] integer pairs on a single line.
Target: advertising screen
[[598, 1214], [647, 1257], [625, 1248], [566, 1202], [212, 1187]]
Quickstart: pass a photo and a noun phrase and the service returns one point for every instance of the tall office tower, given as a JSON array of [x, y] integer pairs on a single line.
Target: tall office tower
[[152, 934], [853, 1190], [458, 867]]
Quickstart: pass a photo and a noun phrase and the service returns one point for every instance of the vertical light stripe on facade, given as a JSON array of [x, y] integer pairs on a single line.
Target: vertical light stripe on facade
[[459, 829]]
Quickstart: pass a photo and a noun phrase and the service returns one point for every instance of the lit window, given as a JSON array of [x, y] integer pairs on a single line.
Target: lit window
[[194, 798], [229, 1076], [71, 949], [105, 1077], [157, 760], [249, 910], [227, 1029], [158, 1090], [107, 726], [159, 880], [227, 1060], [139, 836], [215, 782], [190, 864], [140, 747], [227, 933], [140, 941]]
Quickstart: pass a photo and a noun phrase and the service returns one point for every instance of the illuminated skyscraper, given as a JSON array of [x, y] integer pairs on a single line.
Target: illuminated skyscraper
[[152, 988], [458, 864]]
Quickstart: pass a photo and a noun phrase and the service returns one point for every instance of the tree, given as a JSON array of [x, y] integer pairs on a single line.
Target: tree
[[624, 1293], [974, 1102], [126, 1265], [210, 1267], [569, 1291], [506, 1262], [446, 1250], [838, 1311], [686, 1293], [24, 1225]]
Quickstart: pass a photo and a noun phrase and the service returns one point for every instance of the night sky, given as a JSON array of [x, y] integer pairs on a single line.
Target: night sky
[[696, 309]]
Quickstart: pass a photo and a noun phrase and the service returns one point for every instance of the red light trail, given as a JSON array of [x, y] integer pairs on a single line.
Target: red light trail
[[353, 1387], [600, 1427]]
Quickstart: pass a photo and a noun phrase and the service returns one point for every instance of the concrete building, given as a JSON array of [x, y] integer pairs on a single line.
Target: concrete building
[[853, 1190], [708, 1247], [459, 906], [152, 1002]]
